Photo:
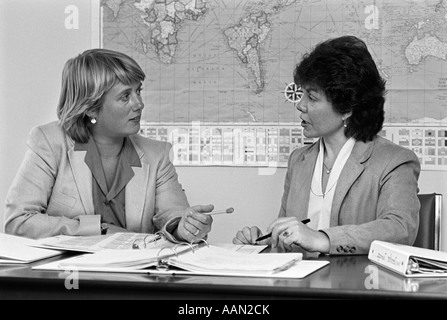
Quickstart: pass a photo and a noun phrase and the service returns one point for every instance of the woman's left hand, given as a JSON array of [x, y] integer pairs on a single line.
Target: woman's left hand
[[195, 223], [287, 232]]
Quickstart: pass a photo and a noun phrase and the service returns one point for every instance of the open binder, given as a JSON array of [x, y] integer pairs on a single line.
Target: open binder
[[191, 259], [409, 261]]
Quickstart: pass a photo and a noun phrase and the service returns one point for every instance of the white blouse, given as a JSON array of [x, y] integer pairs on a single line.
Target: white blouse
[[320, 203]]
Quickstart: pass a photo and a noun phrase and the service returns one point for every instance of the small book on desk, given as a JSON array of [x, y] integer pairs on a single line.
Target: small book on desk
[[192, 259], [407, 260], [19, 250]]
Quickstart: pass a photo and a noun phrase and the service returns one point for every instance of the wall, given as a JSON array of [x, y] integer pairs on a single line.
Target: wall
[[256, 198], [34, 45]]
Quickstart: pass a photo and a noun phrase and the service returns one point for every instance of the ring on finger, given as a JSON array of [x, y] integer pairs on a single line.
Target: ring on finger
[[285, 234]]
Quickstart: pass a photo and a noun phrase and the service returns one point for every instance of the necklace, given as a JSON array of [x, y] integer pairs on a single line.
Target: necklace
[[328, 170], [325, 193]]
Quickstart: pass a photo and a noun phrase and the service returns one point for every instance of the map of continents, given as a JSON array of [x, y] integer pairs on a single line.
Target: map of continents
[[229, 61]]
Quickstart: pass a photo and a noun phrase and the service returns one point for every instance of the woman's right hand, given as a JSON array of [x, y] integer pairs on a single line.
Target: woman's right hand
[[248, 235]]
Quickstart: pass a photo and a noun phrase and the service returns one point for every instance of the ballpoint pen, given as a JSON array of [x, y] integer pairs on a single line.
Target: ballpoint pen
[[270, 234], [226, 211]]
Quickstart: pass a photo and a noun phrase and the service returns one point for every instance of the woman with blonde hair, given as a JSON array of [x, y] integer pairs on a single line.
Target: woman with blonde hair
[[91, 172]]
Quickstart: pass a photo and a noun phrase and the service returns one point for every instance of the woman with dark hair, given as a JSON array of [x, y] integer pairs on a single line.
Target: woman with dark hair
[[353, 185], [91, 172]]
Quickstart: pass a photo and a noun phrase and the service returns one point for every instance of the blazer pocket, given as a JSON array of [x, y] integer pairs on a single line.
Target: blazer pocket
[[62, 200]]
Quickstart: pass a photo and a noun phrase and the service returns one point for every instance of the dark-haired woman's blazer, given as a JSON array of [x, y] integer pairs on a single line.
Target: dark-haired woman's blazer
[[375, 197]]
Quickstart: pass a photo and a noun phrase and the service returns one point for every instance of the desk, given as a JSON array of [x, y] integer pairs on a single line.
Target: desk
[[346, 277]]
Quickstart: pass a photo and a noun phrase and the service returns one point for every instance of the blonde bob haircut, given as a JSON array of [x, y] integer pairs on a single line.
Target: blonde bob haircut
[[85, 80]]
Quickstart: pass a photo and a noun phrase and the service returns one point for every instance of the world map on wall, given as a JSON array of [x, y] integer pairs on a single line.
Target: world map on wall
[[229, 61]]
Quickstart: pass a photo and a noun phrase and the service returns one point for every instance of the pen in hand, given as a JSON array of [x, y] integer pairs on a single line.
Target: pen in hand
[[268, 235], [227, 211]]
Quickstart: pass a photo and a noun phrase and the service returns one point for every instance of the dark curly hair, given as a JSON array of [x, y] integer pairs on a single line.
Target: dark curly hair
[[345, 71]]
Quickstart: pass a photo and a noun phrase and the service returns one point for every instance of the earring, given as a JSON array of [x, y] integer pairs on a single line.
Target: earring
[[93, 120], [344, 124]]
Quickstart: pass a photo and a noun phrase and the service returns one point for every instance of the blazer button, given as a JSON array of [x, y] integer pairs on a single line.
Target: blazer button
[[340, 249], [353, 249]]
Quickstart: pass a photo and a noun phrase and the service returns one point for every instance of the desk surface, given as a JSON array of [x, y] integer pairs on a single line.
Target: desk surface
[[346, 277]]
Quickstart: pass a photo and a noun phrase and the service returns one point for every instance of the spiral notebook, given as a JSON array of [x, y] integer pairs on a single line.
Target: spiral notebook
[[191, 259]]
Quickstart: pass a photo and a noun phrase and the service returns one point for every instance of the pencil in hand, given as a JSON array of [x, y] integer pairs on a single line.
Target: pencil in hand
[[268, 235], [226, 211]]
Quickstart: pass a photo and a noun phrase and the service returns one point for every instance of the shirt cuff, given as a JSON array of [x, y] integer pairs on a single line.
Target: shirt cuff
[[169, 229], [89, 225]]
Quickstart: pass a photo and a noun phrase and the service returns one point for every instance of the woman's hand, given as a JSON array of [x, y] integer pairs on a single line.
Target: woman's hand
[[195, 223], [248, 235], [287, 232]]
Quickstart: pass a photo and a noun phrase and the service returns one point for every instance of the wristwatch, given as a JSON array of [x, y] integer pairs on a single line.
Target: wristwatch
[[104, 228]]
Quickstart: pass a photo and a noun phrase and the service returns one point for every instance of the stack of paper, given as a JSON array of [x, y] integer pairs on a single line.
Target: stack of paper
[[216, 259], [120, 240], [19, 250]]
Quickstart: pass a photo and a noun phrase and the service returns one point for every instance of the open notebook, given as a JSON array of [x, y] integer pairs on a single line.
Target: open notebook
[[197, 259]]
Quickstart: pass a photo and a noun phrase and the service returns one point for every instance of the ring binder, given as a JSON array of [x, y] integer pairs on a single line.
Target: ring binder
[[407, 260], [170, 248], [426, 266], [155, 238], [191, 259], [163, 265], [143, 243], [184, 243], [203, 240]]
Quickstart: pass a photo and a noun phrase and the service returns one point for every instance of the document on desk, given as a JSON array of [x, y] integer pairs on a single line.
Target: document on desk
[[91, 244], [216, 262], [243, 248], [216, 259], [19, 250], [206, 260]]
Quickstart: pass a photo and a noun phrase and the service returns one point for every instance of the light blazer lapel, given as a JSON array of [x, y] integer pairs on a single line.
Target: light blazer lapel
[[351, 171], [302, 179], [83, 178], [136, 193]]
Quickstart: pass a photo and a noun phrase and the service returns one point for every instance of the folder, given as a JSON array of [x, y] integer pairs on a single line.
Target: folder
[[19, 250], [191, 259], [407, 260]]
